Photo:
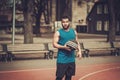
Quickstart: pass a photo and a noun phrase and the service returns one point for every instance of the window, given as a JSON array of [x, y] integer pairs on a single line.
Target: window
[[99, 9], [99, 25], [106, 25], [105, 9]]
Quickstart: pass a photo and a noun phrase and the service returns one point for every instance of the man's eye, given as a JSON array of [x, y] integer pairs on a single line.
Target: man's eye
[[65, 22]]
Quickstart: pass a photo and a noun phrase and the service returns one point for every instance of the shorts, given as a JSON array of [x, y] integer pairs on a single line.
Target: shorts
[[65, 69]]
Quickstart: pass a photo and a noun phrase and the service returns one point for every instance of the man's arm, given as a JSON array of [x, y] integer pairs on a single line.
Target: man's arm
[[79, 53], [55, 42]]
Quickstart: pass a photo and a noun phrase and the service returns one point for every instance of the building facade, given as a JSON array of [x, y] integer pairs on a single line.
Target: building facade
[[98, 20]]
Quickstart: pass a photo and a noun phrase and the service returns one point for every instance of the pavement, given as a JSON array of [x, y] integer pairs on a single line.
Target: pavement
[[43, 63], [82, 37]]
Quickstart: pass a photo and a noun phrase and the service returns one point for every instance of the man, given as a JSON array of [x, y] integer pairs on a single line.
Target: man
[[65, 56]]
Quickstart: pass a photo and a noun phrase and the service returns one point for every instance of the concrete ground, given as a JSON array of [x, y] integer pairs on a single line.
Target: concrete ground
[[43, 63], [82, 37]]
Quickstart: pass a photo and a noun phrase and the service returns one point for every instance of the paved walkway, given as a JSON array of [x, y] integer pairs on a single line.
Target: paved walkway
[[43, 63], [7, 38]]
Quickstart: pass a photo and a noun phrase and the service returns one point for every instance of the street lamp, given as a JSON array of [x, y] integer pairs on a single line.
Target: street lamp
[[13, 26]]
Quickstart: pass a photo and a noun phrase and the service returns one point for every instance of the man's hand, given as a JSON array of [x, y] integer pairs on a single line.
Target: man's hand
[[67, 48], [79, 54]]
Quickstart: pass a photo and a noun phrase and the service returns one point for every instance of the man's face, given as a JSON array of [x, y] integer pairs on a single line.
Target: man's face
[[65, 23]]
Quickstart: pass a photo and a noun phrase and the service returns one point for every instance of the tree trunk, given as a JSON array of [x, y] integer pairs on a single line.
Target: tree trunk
[[37, 26], [68, 8], [40, 9], [112, 24], [28, 29]]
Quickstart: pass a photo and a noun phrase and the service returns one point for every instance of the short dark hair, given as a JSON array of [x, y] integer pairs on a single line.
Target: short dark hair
[[65, 17]]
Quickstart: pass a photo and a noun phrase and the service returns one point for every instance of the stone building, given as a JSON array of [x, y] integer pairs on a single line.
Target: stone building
[[77, 10]]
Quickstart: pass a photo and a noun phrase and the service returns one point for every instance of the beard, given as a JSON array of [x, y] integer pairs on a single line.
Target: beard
[[65, 27]]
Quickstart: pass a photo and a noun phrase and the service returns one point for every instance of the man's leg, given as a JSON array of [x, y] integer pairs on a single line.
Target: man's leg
[[68, 77], [60, 72], [58, 78], [70, 71]]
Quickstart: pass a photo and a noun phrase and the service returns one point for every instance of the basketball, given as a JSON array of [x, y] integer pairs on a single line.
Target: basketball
[[72, 44]]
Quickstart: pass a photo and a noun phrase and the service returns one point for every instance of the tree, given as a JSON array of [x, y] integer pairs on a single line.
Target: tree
[[117, 15], [38, 7], [68, 8], [112, 21], [114, 17], [28, 28], [41, 7]]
